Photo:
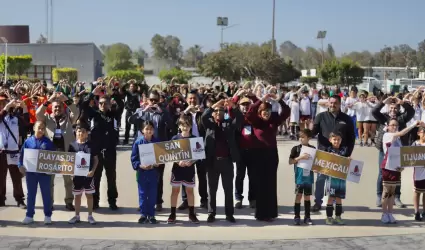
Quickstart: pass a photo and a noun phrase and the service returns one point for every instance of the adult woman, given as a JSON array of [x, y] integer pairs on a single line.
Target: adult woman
[[264, 127]]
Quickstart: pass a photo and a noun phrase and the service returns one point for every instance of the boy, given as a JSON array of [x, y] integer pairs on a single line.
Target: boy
[[303, 178], [335, 188], [83, 184]]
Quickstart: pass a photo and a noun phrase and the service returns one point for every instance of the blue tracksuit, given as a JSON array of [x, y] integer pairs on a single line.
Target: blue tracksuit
[[147, 180], [33, 179]]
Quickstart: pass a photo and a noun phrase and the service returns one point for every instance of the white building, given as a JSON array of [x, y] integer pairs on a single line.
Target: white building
[[391, 73]]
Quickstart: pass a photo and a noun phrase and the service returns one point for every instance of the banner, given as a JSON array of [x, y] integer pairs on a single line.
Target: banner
[[331, 165], [172, 151], [56, 162], [405, 157]]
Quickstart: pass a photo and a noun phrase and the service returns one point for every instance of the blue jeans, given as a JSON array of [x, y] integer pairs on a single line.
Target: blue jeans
[[354, 119], [147, 184], [379, 180], [313, 110], [319, 193], [33, 180]]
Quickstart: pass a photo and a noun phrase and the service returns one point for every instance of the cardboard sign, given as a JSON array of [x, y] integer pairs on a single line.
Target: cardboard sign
[[172, 151], [412, 156], [56, 162], [331, 165]]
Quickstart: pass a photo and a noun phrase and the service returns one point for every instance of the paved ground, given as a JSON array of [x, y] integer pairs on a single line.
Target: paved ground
[[361, 216]]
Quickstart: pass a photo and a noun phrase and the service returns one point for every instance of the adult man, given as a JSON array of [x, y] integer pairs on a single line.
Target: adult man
[[383, 119], [221, 151], [59, 130], [162, 122], [9, 133], [104, 136], [132, 102], [195, 113], [325, 123]]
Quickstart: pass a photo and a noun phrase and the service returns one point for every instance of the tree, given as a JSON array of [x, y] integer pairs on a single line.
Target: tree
[[330, 52], [193, 56], [117, 57], [180, 75], [125, 75], [341, 72], [290, 51], [167, 47], [41, 39], [140, 54], [421, 55], [16, 65]]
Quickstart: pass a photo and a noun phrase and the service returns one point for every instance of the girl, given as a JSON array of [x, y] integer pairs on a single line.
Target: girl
[[391, 177], [351, 112], [294, 120], [419, 179], [361, 109], [37, 141], [371, 121], [183, 173], [147, 176]]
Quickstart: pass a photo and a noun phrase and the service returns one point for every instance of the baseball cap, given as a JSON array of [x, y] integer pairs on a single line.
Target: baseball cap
[[244, 100]]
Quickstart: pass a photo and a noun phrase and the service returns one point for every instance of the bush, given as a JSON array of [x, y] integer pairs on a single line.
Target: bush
[[17, 65], [25, 78], [124, 75], [70, 74], [309, 79], [180, 75]]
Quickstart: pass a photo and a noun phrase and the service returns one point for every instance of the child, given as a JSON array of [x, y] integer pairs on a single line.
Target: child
[[84, 184], [37, 141], [303, 179], [294, 119], [335, 188], [147, 176], [183, 173], [391, 178], [419, 179]]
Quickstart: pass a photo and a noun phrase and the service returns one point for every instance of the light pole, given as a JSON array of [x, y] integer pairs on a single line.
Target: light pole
[[223, 22], [321, 35], [5, 41], [273, 25]]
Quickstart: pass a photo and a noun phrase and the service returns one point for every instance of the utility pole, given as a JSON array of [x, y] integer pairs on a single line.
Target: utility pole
[[223, 22], [51, 21], [47, 21], [273, 27], [321, 35]]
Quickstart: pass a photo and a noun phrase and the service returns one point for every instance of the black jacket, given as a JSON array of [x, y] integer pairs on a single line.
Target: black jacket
[[326, 122], [230, 130], [383, 119]]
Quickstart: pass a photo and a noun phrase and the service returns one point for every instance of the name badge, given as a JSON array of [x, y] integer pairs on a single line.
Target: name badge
[[58, 133], [247, 130]]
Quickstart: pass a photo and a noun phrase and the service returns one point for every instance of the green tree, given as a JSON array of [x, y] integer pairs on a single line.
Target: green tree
[[140, 54], [341, 72], [193, 56], [117, 57], [16, 65], [180, 75], [125, 75], [330, 52], [167, 47]]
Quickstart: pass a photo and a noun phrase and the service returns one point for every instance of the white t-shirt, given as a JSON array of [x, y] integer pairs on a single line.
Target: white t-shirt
[[418, 172], [369, 116], [388, 138], [417, 116], [351, 101], [321, 109], [305, 106], [295, 112], [361, 109]]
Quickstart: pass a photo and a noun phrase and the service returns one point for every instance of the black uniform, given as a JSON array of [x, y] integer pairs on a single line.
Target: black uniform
[[104, 136], [131, 104]]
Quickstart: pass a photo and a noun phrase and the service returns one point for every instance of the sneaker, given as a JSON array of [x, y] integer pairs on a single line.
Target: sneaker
[[91, 220], [152, 220], [329, 221], [418, 217], [398, 203], [193, 219], [75, 219], [317, 207], [252, 204], [297, 221], [47, 220], [361, 144], [231, 219], [238, 204], [385, 219], [182, 206], [379, 201], [70, 207], [211, 218], [113, 206], [158, 207], [142, 220], [392, 219], [171, 219], [21, 204], [308, 221], [27, 221], [339, 221]]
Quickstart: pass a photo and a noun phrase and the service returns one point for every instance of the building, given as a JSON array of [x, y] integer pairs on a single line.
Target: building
[[391, 73], [153, 66], [85, 57]]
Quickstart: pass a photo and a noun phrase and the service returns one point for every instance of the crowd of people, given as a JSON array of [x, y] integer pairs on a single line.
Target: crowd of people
[[239, 124]]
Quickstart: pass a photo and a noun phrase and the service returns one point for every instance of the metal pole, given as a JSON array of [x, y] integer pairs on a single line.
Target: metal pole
[[221, 40], [47, 20], [5, 66], [51, 21], [323, 53], [273, 25]]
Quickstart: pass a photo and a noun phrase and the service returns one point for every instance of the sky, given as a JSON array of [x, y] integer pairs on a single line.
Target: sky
[[350, 25]]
